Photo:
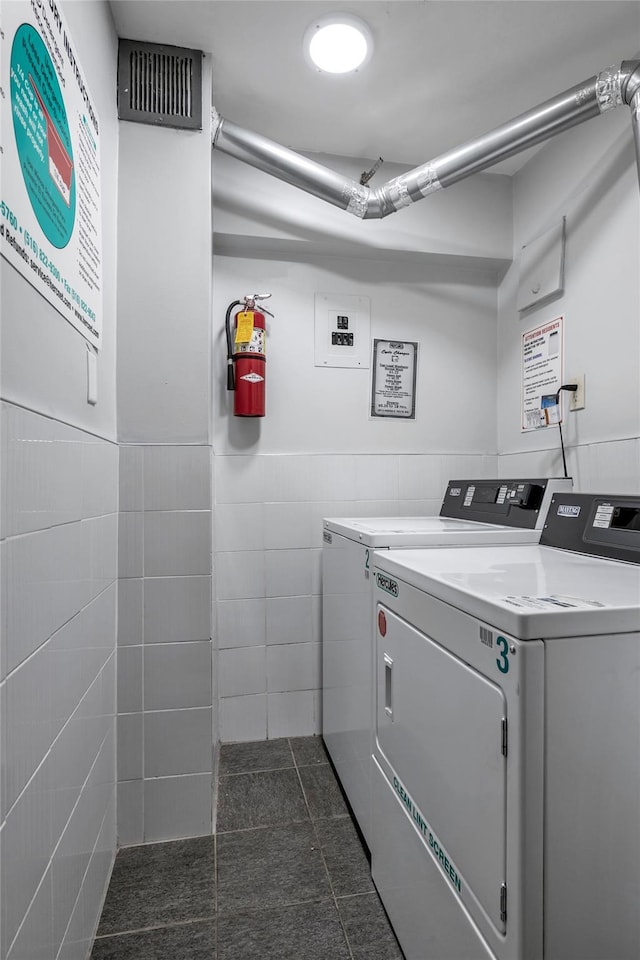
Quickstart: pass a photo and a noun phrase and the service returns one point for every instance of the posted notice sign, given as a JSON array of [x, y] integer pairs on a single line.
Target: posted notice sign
[[393, 387], [541, 374], [50, 208]]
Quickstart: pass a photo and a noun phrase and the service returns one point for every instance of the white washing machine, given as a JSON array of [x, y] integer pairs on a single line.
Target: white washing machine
[[473, 511], [506, 771]]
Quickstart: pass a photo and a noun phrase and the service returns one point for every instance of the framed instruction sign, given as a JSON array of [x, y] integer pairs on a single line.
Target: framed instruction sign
[[50, 208], [393, 382]]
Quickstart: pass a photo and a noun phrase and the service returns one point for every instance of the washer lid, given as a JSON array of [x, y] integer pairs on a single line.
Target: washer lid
[[530, 592], [425, 531]]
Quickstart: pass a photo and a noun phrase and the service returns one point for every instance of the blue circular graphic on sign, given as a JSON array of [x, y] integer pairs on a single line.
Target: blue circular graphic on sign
[[42, 136]]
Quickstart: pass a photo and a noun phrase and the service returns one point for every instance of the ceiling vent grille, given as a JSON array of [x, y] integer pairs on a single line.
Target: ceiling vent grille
[[160, 84]]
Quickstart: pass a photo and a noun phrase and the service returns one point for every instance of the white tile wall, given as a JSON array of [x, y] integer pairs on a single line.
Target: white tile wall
[[268, 539], [165, 722], [289, 526], [290, 620], [129, 687], [177, 609], [239, 526], [240, 575], [177, 543], [241, 623], [242, 671], [176, 477], [608, 467], [177, 675], [295, 714], [52, 473], [294, 666], [292, 573], [267, 562], [177, 807], [130, 811], [130, 610], [58, 527], [130, 758], [614, 467], [242, 718], [177, 742]]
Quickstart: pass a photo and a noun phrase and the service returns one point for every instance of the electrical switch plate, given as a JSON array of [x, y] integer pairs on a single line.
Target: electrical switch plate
[[92, 377], [342, 330], [576, 399]]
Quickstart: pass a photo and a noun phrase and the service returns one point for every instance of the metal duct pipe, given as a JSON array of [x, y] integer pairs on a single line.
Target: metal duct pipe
[[582, 102]]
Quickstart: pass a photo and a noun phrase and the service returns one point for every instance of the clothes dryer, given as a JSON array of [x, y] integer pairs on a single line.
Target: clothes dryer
[[472, 511], [506, 772]]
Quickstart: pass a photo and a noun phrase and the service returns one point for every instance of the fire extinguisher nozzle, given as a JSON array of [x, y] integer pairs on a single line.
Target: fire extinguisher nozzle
[[231, 380]]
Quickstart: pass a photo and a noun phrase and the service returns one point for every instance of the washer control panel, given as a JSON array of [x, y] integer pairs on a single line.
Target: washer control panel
[[595, 524]]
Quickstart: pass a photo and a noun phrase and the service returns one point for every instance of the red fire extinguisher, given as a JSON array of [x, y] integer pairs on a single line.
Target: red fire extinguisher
[[246, 355]]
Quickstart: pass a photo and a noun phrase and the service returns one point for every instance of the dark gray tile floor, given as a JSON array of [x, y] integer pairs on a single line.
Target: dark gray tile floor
[[284, 878]]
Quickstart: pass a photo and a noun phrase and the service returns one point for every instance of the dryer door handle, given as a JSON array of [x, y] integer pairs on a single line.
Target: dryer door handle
[[388, 692]]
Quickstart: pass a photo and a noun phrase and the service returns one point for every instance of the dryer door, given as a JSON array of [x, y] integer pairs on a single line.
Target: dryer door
[[440, 726]]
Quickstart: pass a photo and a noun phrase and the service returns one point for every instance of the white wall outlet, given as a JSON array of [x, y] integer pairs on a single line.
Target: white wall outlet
[[576, 399]]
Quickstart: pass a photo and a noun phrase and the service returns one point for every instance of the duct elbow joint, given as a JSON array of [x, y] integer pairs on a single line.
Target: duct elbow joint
[[369, 204], [382, 202], [378, 206], [358, 200], [615, 87], [630, 83]]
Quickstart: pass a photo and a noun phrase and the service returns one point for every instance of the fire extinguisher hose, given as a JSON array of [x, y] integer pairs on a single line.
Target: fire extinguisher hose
[[231, 381]]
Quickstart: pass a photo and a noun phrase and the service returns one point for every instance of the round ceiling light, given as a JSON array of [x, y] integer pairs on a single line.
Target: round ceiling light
[[338, 43]]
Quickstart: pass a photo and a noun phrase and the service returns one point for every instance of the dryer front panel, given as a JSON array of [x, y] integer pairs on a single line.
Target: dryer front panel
[[441, 726]]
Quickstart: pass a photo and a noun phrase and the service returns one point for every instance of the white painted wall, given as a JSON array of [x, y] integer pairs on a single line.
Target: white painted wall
[[472, 220], [317, 452], [58, 551], [450, 312], [164, 276], [588, 175]]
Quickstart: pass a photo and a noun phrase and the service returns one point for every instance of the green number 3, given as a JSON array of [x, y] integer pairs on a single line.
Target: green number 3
[[503, 663]]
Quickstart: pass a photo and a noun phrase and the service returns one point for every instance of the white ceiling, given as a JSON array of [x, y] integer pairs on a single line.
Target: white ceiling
[[442, 72]]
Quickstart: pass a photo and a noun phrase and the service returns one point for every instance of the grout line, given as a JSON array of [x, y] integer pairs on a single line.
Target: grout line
[[244, 773], [159, 926]]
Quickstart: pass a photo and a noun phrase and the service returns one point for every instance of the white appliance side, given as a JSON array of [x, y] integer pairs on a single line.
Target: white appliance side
[[592, 797], [347, 670]]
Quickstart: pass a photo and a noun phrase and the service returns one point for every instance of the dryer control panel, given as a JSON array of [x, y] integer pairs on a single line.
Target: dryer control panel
[[513, 503], [596, 524]]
